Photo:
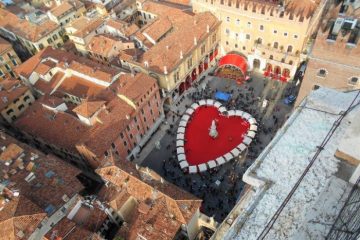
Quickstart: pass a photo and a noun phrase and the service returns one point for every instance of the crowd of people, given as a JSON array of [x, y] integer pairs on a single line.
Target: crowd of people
[[220, 187]]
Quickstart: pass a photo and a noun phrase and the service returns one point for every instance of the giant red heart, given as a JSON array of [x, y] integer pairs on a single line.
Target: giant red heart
[[199, 146]]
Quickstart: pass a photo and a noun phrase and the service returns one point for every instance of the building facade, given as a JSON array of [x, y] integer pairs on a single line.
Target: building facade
[[8, 60], [15, 98], [32, 36], [334, 59], [273, 35]]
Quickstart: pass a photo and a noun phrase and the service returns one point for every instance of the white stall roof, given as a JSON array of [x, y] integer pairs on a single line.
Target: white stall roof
[[180, 150], [192, 169], [202, 167], [184, 164], [247, 140], [179, 143], [212, 164], [181, 130]]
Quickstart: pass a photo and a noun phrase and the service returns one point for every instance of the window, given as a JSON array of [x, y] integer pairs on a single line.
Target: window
[[113, 145], [131, 136], [248, 36], [228, 19], [125, 143], [236, 35], [203, 49], [227, 43], [214, 38], [8, 112], [1, 59], [1, 73], [261, 27], [121, 135], [135, 119], [275, 31], [189, 63], [238, 21], [26, 98], [7, 67], [244, 48], [296, 36], [316, 87], [227, 31], [271, 57], [249, 24], [49, 40], [322, 73], [128, 128], [289, 49], [354, 80], [285, 34], [259, 41], [9, 55], [14, 62], [236, 46], [291, 62], [276, 45], [41, 46], [55, 37]]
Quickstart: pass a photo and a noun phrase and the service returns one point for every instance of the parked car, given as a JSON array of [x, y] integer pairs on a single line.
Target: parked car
[[289, 100]]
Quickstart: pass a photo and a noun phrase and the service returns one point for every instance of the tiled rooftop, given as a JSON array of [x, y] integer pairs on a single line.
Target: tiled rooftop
[[24, 28], [162, 207]]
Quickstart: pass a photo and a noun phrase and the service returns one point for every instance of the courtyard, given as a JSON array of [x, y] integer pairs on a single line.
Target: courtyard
[[221, 187]]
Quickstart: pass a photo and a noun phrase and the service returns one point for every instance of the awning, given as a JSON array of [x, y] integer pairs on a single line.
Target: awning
[[234, 60]]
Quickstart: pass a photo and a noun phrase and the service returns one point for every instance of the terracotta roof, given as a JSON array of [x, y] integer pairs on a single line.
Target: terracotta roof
[[4, 45], [53, 178], [67, 229], [304, 8], [158, 28], [87, 108], [124, 27], [25, 29], [66, 7], [79, 87], [66, 60], [162, 208], [10, 90], [166, 53], [104, 46], [20, 217], [65, 128], [46, 87], [84, 26]]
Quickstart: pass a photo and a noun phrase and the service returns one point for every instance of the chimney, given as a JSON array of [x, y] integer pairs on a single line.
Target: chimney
[[181, 55], [167, 47], [195, 41], [165, 70], [207, 28], [146, 63]]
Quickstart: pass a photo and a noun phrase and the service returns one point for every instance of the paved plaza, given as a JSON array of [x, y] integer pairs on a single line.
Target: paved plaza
[[219, 199]]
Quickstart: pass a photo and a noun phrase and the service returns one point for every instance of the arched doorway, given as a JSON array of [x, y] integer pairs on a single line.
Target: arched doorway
[[193, 75], [268, 70], [285, 75], [206, 63], [256, 64], [182, 88], [200, 67]]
